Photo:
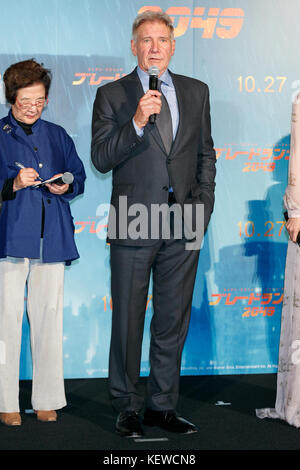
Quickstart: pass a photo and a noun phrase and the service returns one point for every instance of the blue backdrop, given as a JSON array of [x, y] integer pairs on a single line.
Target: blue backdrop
[[246, 51]]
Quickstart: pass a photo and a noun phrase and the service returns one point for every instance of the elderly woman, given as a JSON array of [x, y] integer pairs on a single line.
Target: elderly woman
[[36, 240]]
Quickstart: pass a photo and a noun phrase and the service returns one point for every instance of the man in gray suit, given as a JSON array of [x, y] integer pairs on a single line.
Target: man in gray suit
[[169, 161]]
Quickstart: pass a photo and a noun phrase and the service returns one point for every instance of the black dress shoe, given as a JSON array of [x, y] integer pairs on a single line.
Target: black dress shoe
[[128, 424], [169, 421]]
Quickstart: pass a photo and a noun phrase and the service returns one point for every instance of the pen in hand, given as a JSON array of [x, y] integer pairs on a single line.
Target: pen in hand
[[19, 165]]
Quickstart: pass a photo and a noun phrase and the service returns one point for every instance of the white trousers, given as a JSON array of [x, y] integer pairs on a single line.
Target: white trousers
[[45, 285]]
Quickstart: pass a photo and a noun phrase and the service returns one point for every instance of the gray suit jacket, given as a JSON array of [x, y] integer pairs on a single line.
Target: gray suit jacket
[[142, 170]]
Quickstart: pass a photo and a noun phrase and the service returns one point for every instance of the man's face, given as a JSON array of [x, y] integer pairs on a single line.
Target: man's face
[[153, 45]]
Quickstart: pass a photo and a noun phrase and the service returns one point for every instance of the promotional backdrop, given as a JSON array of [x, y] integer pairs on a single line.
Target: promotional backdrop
[[247, 53]]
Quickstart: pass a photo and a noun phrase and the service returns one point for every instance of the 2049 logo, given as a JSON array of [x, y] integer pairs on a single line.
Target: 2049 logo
[[224, 23]]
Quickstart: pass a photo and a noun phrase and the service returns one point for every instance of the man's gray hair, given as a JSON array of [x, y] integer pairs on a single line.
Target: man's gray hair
[[150, 15]]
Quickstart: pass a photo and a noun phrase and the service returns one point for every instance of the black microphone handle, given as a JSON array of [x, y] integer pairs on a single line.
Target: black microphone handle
[[65, 178], [153, 85], [152, 118], [59, 181]]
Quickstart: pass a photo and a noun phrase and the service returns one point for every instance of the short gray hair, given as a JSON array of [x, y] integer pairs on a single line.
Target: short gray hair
[[152, 16]]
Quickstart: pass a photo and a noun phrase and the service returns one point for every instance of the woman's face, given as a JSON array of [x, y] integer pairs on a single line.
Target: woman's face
[[29, 103]]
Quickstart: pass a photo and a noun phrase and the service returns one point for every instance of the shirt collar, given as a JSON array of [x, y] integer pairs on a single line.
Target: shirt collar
[[144, 77]]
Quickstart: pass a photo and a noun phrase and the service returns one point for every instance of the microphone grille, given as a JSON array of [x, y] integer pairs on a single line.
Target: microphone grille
[[153, 71], [67, 177]]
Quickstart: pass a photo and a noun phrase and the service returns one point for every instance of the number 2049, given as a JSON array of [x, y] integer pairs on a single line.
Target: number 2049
[[254, 311]]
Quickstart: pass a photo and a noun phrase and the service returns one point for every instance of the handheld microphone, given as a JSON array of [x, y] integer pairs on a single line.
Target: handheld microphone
[[66, 178], [153, 73]]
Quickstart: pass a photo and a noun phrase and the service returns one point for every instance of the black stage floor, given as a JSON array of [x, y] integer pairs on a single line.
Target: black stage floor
[[222, 406]]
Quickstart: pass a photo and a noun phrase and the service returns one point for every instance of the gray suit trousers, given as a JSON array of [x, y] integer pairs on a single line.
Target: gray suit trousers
[[174, 271]]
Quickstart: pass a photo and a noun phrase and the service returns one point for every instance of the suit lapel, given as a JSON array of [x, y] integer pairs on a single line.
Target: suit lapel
[[181, 110], [156, 136], [133, 89]]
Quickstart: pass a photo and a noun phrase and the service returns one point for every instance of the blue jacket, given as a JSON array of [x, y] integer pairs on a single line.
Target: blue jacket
[[49, 150]]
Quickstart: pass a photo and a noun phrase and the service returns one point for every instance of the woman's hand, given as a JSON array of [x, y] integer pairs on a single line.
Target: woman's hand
[[293, 228], [26, 177], [57, 188]]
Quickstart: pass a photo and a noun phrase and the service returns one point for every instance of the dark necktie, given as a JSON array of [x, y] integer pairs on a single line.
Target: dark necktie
[[164, 122]]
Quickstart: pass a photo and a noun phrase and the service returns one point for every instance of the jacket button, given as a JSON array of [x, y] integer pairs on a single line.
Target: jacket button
[[169, 161], [49, 201], [165, 188]]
